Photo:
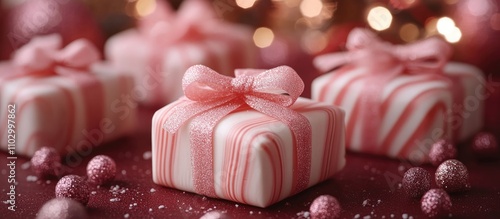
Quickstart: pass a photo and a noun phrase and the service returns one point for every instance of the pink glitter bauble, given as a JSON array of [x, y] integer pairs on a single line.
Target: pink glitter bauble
[[436, 203], [325, 207], [74, 187], [101, 169], [452, 176], [46, 162], [416, 181], [442, 150], [62, 208], [485, 145]]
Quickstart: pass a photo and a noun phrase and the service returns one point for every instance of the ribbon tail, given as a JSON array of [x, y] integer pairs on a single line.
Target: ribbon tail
[[328, 62], [201, 132], [302, 132]]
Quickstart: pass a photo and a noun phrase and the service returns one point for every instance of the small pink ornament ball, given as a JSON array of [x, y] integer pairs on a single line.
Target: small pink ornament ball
[[74, 187], [101, 169], [452, 176], [46, 162], [325, 207], [442, 150], [436, 203], [62, 208], [485, 145], [416, 181]]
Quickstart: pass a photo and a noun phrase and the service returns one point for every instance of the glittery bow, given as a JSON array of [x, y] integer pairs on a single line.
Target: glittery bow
[[367, 50], [214, 96], [163, 26], [43, 56], [382, 61]]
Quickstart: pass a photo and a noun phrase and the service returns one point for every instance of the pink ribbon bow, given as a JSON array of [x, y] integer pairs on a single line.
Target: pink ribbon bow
[[163, 26], [382, 62], [367, 50], [43, 56], [214, 95]]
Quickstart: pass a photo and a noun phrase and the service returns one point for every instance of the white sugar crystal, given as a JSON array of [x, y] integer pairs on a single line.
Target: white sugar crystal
[[161, 207], [114, 199], [147, 155], [31, 178], [152, 190]]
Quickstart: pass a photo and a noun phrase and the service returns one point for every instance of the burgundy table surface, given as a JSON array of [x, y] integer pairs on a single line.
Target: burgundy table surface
[[367, 187]]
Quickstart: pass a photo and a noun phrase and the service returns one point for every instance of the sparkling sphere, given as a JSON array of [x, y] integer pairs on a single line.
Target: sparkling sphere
[[101, 169], [62, 208], [416, 181], [442, 150], [46, 162], [325, 207], [452, 176], [436, 203], [74, 187], [485, 145]]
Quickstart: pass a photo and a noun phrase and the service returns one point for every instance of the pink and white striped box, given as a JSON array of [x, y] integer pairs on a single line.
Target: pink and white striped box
[[256, 158], [402, 115], [165, 44], [71, 112]]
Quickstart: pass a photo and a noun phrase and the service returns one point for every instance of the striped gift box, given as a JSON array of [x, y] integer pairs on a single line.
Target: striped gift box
[[166, 44], [62, 98], [254, 158], [415, 110]]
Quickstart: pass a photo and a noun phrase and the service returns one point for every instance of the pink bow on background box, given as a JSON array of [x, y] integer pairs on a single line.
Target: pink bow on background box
[[166, 43], [63, 97], [380, 64], [45, 56]]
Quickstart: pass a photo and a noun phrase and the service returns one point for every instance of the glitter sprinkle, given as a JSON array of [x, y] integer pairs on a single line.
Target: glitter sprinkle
[[126, 215], [31, 178], [161, 207], [152, 190], [324, 207], [147, 155]]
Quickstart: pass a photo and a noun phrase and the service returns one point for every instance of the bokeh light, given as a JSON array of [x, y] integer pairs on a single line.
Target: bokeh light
[[311, 8], [145, 7], [245, 3], [409, 32], [314, 41], [446, 27], [379, 18], [263, 37]]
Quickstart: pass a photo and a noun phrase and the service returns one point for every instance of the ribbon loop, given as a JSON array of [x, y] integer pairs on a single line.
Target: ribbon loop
[[366, 49], [43, 56]]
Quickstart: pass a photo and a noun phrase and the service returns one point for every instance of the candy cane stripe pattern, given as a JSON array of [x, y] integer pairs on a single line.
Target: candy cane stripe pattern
[[256, 158], [399, 106], [67, 102]]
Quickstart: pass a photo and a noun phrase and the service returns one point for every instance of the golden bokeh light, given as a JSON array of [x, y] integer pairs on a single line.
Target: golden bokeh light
[[263, 37], [311, 8], [409, 32], [314, 41], [145, 7], [245, 3], [379, 18]]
